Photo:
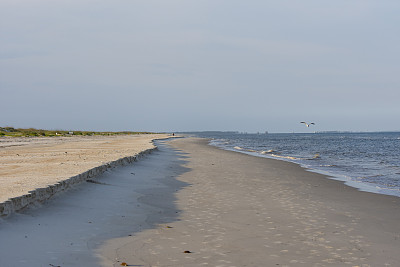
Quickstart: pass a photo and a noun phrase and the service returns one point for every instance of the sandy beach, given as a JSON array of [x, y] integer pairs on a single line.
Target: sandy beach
[[240, 210], [30, 163], [191, 204]]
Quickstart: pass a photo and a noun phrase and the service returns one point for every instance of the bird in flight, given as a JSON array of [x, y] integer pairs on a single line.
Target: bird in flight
[[308, 124]]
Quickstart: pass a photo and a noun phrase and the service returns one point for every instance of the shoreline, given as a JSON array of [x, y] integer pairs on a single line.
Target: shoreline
[[361, 186], [192, 204], [242, 210], [17, 154]]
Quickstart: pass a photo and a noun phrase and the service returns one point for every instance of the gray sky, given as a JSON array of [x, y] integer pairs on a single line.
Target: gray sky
[[188, 65]]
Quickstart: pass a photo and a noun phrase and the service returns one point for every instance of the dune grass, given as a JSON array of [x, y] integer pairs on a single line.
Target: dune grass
[[32, 132]]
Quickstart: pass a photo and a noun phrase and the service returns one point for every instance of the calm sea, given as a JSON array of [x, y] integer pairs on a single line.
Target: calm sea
[[368, 161]]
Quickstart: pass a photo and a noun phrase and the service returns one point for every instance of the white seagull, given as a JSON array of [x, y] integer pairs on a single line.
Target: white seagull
[[308, 124]]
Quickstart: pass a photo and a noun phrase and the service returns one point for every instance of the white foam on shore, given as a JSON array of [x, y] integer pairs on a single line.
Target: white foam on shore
[[282, 157], [361, 186], [267, 152]]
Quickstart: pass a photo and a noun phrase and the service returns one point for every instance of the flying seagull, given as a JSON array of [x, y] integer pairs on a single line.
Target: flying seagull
[[308, 124]]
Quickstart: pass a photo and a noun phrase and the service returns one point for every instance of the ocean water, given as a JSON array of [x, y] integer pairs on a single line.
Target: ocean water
[[368, 161]]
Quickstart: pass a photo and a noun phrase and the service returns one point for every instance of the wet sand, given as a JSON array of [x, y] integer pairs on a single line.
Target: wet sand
[[222, 208], [30, 163], [69, 228]]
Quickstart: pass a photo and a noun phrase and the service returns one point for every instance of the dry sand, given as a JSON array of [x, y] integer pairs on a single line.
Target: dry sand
[[30, 163], [225, 208]]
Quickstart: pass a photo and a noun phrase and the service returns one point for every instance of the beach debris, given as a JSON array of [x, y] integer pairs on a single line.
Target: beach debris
[[132, 173], [187, 251], [124, 264], [52, 265], [169, 226]]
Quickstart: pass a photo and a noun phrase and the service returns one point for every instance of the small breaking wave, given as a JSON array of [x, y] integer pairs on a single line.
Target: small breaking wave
[[243, 149], [328, 165], [316, 156], [371, 176], [283, 157], [267, 152]]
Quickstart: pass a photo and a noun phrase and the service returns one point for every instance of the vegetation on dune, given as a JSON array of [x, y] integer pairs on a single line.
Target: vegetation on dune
[[32, 132]]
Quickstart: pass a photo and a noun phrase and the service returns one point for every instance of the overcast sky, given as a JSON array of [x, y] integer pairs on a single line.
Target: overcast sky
[[190, 65]]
